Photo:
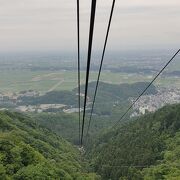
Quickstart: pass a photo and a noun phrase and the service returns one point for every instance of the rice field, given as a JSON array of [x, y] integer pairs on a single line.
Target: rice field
[[44, 81]]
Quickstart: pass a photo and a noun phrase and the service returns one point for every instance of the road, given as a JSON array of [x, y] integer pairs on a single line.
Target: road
[[56, 85]]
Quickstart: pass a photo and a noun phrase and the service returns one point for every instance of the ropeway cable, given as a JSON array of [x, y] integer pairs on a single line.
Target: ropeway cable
[[100, 68], [115, 125], [79, 75], [91, 30]]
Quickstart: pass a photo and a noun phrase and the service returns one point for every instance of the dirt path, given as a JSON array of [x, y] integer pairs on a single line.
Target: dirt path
[[56, 85]]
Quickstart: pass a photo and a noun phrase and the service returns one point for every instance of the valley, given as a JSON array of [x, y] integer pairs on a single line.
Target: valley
[[61, 74], [89, 90], [39, 109], [38, 150]]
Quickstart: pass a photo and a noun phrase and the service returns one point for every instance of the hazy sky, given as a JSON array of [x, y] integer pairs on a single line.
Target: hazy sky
[[51, 24]]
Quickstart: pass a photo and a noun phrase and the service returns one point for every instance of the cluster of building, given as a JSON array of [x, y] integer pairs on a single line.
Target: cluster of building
[[40, 108], [14, 98], [48, 108], [150, 103]]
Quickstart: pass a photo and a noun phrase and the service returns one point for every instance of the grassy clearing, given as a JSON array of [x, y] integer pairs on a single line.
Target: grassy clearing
[[15, 81]]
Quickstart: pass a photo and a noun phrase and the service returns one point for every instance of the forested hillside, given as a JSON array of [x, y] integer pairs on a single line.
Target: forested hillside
[[112, 101], [113, 92], [107, 93], [144, 148], [67, 125], [28, 151], [147, 148], [54, 97], [113, 98]]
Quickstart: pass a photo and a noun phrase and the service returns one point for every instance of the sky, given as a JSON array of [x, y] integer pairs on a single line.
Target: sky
[[50, 25]]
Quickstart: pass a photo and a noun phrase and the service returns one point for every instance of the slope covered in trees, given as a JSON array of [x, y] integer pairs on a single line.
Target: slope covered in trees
[[113, 92], [112, 101], [54, 97], [28, 151], [146, 148], [107, 93], [67, 125]]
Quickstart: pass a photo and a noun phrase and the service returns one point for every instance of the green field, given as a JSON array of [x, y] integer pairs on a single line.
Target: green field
[[43, 81]]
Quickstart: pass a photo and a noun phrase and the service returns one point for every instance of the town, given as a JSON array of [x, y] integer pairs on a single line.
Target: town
[[147, 103], [12, 101], [151, 103]]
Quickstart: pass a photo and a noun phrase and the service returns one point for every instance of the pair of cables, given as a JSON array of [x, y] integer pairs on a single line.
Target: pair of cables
[[91, 32]]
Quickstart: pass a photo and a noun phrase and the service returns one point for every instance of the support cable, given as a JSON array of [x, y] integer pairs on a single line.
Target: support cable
[[79, 75], [100, 68], [115, 125], [91, 31]]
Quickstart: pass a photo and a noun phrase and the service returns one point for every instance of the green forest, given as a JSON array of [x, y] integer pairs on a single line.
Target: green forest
[[29, 151], [45, 146], [147, 148], [107, 93], [89, 90]]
